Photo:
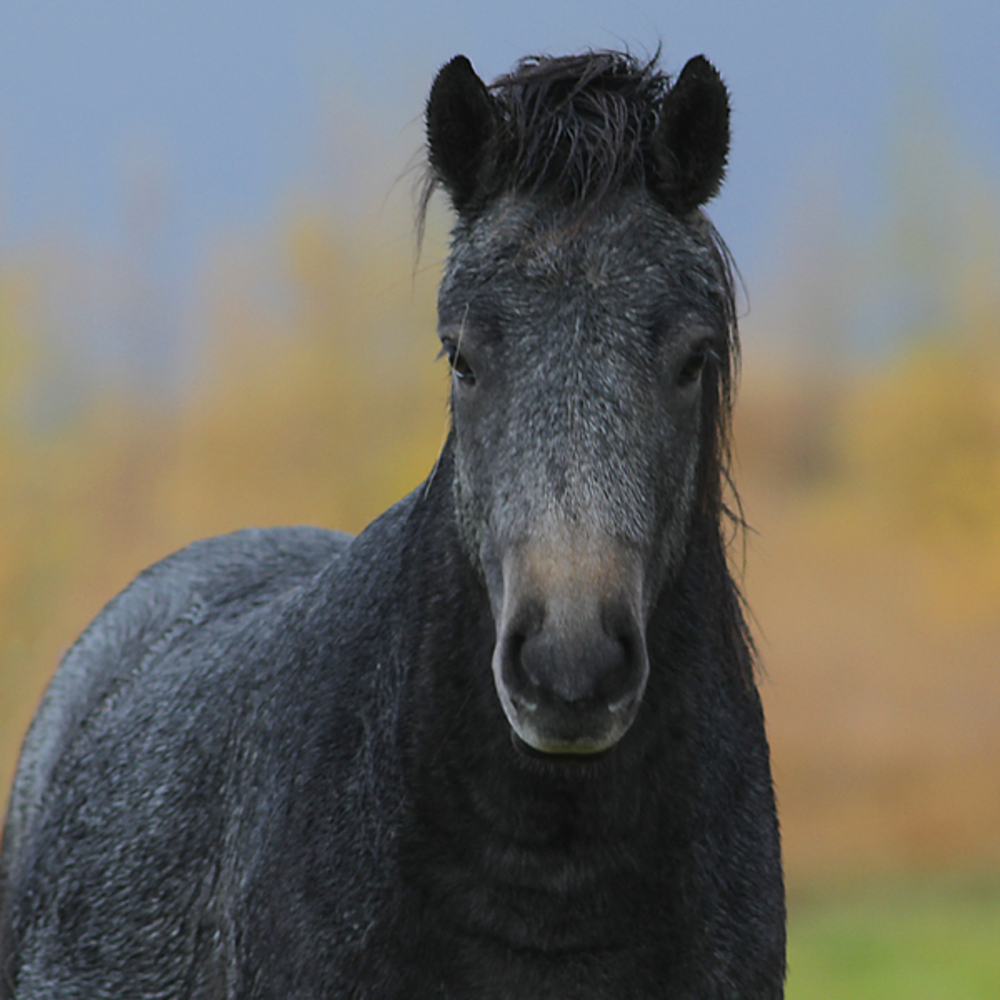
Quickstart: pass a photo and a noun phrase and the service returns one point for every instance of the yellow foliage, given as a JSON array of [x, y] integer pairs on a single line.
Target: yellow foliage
[[920, 451], [925, 437], [329, 421]]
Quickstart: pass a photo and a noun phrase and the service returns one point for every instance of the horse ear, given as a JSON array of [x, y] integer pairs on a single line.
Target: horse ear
[[691, 141], [461, 118]]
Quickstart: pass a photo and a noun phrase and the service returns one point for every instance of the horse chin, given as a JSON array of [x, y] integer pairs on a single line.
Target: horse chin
[[569, 758]]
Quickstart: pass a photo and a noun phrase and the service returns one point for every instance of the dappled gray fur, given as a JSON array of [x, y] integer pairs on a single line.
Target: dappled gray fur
[[573, 318], [505, 743]]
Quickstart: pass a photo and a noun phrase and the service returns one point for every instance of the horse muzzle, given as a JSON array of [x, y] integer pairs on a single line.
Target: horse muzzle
[[570, 663]]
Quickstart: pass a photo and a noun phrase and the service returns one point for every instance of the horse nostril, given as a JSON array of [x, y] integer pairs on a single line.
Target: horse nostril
[[618, 673], [570, 673], [520, 684]]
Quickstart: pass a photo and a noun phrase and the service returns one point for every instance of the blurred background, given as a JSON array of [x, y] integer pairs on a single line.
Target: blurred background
[[211, 316]]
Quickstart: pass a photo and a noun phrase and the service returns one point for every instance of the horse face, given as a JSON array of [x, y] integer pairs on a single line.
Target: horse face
[[580, 357]]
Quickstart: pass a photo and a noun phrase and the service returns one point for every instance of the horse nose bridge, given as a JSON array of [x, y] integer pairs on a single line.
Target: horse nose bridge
[[584, 468], [582, 398], [572, 577]]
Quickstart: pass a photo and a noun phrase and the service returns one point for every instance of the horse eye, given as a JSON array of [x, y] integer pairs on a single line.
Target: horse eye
[[693, 367], [462, 370], [459, 365]]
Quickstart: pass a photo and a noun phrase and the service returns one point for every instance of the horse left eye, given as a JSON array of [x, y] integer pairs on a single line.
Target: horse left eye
[[693, 366]]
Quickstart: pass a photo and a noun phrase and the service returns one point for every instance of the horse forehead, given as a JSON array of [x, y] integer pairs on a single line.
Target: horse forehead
[[631, 242], [599, 261], [581, 289]]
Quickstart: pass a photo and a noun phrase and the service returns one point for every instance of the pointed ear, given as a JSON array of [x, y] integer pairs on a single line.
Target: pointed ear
[[691, 141], [461, 118]]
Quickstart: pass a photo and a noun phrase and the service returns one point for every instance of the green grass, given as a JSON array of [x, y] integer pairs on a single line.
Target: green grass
[[897, 940]]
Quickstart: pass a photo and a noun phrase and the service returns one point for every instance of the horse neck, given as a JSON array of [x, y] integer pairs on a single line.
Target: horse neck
[[466, 769], [520, 851]]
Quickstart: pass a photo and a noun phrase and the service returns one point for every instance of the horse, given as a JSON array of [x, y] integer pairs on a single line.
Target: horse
[[507, 742]]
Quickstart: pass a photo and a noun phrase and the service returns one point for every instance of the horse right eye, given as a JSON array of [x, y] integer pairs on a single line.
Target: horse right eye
[[459, 365], [461, 368]]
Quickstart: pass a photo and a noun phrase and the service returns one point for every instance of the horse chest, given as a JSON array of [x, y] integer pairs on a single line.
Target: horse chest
[[511, 922]]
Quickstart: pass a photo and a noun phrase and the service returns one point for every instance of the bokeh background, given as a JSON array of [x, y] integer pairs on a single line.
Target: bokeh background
[[211, 317]]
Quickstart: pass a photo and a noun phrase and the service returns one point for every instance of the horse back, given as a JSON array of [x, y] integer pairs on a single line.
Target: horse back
[[208, 588]]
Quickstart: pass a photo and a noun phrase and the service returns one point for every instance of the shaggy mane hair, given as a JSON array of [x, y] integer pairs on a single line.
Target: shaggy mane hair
[[573, 128], [576, 126]]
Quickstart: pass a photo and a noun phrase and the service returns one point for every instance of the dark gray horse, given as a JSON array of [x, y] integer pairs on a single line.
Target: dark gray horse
[[506, 743]]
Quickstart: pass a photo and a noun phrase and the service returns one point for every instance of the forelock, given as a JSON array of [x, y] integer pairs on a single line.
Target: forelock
[[574, 127]]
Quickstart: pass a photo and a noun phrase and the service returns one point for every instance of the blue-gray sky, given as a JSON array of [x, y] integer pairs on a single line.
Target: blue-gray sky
[[239, 103]]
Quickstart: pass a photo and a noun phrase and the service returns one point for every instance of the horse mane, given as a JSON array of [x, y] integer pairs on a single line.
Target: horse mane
[[571, 128]]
